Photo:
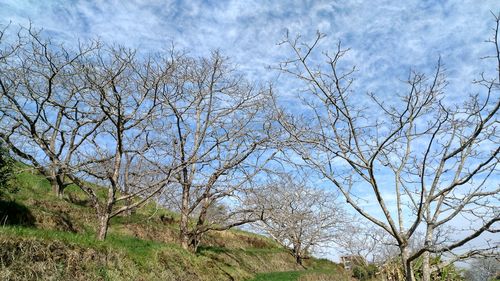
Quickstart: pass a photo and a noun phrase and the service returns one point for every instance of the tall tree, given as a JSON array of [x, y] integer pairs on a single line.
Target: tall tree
[[120, 154], [222, 139], [42, 120], [440, 156], [84, 116]]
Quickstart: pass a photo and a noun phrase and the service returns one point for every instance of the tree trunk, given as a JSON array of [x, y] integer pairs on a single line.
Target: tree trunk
[[57, 184], [103, 226], [197, 233], [60, 181], [184, 221], [408, 270], [57, 188], [426, 266], [298, 259], [194, 243], [297, 253], [129, 211], [184, 231], [189, 240], [426, 269]]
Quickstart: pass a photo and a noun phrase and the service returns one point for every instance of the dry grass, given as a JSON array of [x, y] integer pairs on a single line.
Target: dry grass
[[142, 246], [318, 276]]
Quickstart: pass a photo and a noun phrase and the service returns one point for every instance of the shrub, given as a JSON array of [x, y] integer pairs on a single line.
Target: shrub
[[364, 272], [6, 165]]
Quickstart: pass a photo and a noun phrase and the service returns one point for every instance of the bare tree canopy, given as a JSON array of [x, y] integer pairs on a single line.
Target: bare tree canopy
[[82, 116], [483, 269], [425, 161], [222, 139], [135, 124], [373, 244], [301, 218], [120, 153], [42, 119]]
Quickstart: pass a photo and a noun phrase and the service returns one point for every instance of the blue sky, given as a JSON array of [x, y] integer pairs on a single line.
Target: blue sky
[[386, 38]]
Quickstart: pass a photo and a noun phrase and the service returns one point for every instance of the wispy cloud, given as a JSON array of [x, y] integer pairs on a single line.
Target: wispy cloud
[[386, 37]]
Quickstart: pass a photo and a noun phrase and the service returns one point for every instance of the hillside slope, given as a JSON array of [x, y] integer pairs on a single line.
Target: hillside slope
[[43, 237]]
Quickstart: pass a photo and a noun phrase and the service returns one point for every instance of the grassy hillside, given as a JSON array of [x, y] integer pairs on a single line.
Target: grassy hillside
[[43, 237]]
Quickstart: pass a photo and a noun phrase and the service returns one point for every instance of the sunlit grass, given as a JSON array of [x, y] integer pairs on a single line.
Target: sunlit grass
[[142, 242], [137, 249]]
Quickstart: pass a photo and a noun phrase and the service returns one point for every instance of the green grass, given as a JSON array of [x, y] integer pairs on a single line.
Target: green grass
[[218, 250], [139, 250], [295, 275], [279, 276], [138, 246]]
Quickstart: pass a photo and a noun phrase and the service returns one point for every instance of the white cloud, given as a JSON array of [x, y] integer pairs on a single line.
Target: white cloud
[[387, 37]]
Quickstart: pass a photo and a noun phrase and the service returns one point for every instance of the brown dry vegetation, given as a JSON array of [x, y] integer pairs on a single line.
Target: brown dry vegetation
[[54, 240]]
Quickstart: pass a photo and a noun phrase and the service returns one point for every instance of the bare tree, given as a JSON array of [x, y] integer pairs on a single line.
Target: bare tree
[[120, 154], [42, 121], [483, 269], [84, 116], [373, 244], [101, 116], [425, 161], [222, 139], [301, 218]]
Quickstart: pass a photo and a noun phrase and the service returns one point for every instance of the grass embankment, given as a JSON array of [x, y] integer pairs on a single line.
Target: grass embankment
[[44, 237], [304, 275]]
